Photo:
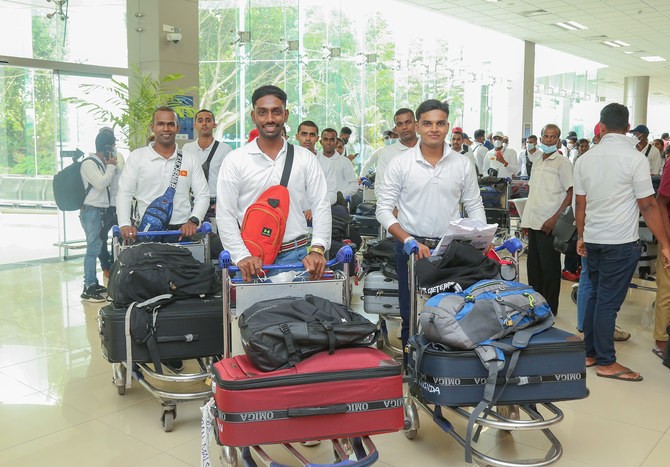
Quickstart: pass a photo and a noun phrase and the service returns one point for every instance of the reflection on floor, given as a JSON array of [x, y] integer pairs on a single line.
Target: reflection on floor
[[58, 406]]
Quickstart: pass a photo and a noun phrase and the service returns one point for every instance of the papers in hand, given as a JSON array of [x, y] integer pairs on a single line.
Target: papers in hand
[[467, 230]]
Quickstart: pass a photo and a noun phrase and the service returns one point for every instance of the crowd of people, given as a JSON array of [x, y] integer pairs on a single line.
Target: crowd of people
[[425, 173]]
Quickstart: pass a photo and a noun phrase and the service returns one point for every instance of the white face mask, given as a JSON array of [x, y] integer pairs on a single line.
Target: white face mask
[[505, 145], [497, 144], [530, 146], [571, 146]]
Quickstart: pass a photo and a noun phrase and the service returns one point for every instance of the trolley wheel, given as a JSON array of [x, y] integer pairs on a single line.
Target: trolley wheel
[[167, 420], [229, 457], [573, 293], [411, 420], [380, 341]]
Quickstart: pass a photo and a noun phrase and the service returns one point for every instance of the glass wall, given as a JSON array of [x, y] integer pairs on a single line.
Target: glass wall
[[350, 63]]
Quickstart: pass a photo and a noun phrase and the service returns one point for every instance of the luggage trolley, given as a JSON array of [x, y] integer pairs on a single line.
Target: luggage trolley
[[168, 399], [335, 287], [496, 193], [503, 416]]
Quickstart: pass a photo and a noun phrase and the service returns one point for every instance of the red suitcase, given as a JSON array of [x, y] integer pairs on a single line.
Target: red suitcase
[[353, 392]]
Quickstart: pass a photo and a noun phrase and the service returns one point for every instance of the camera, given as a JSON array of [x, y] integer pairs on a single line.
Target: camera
[[174, 37]]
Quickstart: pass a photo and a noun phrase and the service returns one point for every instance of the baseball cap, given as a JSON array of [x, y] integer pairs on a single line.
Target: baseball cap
[[465, 136], [572, 136], [498, 133], [457, 129], [640, 129]]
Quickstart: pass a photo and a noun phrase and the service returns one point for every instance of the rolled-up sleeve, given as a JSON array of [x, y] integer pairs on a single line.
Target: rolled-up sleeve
[[227, 195], [317, 195], [389, 193]]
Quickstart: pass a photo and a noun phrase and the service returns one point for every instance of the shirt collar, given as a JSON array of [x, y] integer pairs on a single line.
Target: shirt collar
[[418, 155], [254, 149], [155, 155]]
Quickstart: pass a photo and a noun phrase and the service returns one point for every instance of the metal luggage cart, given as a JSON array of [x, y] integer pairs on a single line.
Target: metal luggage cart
[[336, 288], [500, 417], [168, 399], [496, 193]]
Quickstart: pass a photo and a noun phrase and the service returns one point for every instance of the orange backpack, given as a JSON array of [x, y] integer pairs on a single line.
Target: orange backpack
[[264, 221]]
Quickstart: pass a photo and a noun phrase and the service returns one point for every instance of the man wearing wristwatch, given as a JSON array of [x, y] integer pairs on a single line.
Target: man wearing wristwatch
[[500, 160], [147, 175], [250, 170]]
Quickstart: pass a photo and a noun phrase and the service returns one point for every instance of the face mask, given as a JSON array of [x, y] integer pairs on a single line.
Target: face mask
[[505, 145], [530, 146], [497, 144], [547, 149], [571, 146], [389, 141]]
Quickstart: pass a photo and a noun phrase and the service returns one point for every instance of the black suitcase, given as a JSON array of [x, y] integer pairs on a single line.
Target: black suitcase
[[552, 368], [185, 329], [368, 226]]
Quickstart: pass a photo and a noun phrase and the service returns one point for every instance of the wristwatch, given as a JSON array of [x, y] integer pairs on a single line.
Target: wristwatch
[[195, 220]]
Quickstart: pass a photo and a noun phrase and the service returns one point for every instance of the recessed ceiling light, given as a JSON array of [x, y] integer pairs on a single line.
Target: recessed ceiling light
[[565, 26], [611, 44], [653, 58], [622, 43], [629, 52], [577, 25]]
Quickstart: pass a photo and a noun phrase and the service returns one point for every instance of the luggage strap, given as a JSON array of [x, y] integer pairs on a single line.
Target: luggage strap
[[293, 356]]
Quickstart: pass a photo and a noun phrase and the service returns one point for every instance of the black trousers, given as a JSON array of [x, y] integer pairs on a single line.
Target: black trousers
[[544, 267]]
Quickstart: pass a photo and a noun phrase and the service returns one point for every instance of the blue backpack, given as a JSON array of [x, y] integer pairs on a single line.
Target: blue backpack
[[476, 319], [159, 212]]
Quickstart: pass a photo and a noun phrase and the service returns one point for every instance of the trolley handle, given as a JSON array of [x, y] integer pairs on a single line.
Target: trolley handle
[[205, 228], [344, 255], [511, 244], [365, 181]]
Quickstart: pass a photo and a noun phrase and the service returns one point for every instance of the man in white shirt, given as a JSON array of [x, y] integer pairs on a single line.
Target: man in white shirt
[[572, 149], [458, 146], [612, 188], [405, 125], [478, 149], [308, 135], [426, 184], [641, 132], [528, 155], [501, 161], [549, 195], [147, 175], [248, 171], [342, 169], [97, 173], [204, 148]]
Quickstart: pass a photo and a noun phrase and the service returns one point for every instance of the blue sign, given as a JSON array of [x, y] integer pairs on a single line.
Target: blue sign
[[185, 123]]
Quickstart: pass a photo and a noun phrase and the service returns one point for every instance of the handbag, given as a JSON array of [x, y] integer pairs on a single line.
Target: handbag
[[565, 232], [157, 215]]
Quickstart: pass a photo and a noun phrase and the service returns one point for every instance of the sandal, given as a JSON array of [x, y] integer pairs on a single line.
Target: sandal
[[619, 375], [658, 352]]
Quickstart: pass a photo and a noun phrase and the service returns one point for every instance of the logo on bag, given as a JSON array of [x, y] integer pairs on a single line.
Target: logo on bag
[[568, 377], [447, 381], [266, 232], [256, 416], [357, 407], [393, 403]]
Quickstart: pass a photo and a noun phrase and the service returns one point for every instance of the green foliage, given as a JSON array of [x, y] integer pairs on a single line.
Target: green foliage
[[129, 107]]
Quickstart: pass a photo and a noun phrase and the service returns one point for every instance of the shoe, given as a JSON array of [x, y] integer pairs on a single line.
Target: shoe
[[570, 276], [620, 335], [176, 366], [92, 294], [101, 289], [310, 444]]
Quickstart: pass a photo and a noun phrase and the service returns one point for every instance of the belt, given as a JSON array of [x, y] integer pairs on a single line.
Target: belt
[[86, 206], [294, 244], [428, 241]]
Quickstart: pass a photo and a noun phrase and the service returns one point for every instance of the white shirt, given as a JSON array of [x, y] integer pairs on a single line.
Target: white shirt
[[470, 156], [552, 178], [214, 166], [479, 150], [343, 171], [329, 174], [387, 154], [523, 171], [612, 175], [490, 162], [654, 158], [371, 163], [428, 197], [247, 172], [114, 186], [147, 175], [99, 176]]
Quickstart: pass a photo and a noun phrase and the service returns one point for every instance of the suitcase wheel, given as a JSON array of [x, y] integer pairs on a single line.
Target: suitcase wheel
[[167, 419], [229, 457], [411, 419], [573, 294]]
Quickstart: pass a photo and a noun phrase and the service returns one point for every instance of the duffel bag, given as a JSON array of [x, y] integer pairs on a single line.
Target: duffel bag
[[281, 332], [146, 270]]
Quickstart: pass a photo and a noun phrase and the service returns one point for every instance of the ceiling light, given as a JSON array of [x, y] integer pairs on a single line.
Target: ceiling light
[[577, 25], [628, 52], [530, 13], [611, 44], [622, 43], [565, 26], [653, 58]]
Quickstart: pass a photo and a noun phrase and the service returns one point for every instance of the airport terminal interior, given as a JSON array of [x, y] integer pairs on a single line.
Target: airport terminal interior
[[506, 65]]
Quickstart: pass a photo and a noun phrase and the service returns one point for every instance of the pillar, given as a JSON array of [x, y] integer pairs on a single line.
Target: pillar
[[528, 97], [635, 96]]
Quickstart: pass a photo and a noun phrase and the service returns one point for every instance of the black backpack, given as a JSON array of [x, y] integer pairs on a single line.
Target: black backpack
[[146, 270], [68, 186], [281, 332]]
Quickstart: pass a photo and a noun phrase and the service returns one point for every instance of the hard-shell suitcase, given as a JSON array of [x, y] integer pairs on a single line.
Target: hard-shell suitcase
[[368, 226], [352, 392], [552, 368], [380, 294], [189, 328]]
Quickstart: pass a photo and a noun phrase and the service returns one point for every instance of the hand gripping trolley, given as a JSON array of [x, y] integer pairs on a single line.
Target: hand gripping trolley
[[454, 380], [186, 329], [317, 399]]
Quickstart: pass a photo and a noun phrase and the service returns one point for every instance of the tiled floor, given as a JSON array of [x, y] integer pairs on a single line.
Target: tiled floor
[[58, 406]]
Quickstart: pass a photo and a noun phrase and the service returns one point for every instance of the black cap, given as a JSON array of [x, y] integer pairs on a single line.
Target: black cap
[[640, 129]]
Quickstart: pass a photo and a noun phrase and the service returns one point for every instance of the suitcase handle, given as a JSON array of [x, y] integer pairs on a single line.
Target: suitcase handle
[[311, 411], [205, 228], [344, 255]]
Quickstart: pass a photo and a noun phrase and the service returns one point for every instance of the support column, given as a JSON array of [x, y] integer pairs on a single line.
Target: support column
[[635, 97], [150, 50], [528, 98]]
